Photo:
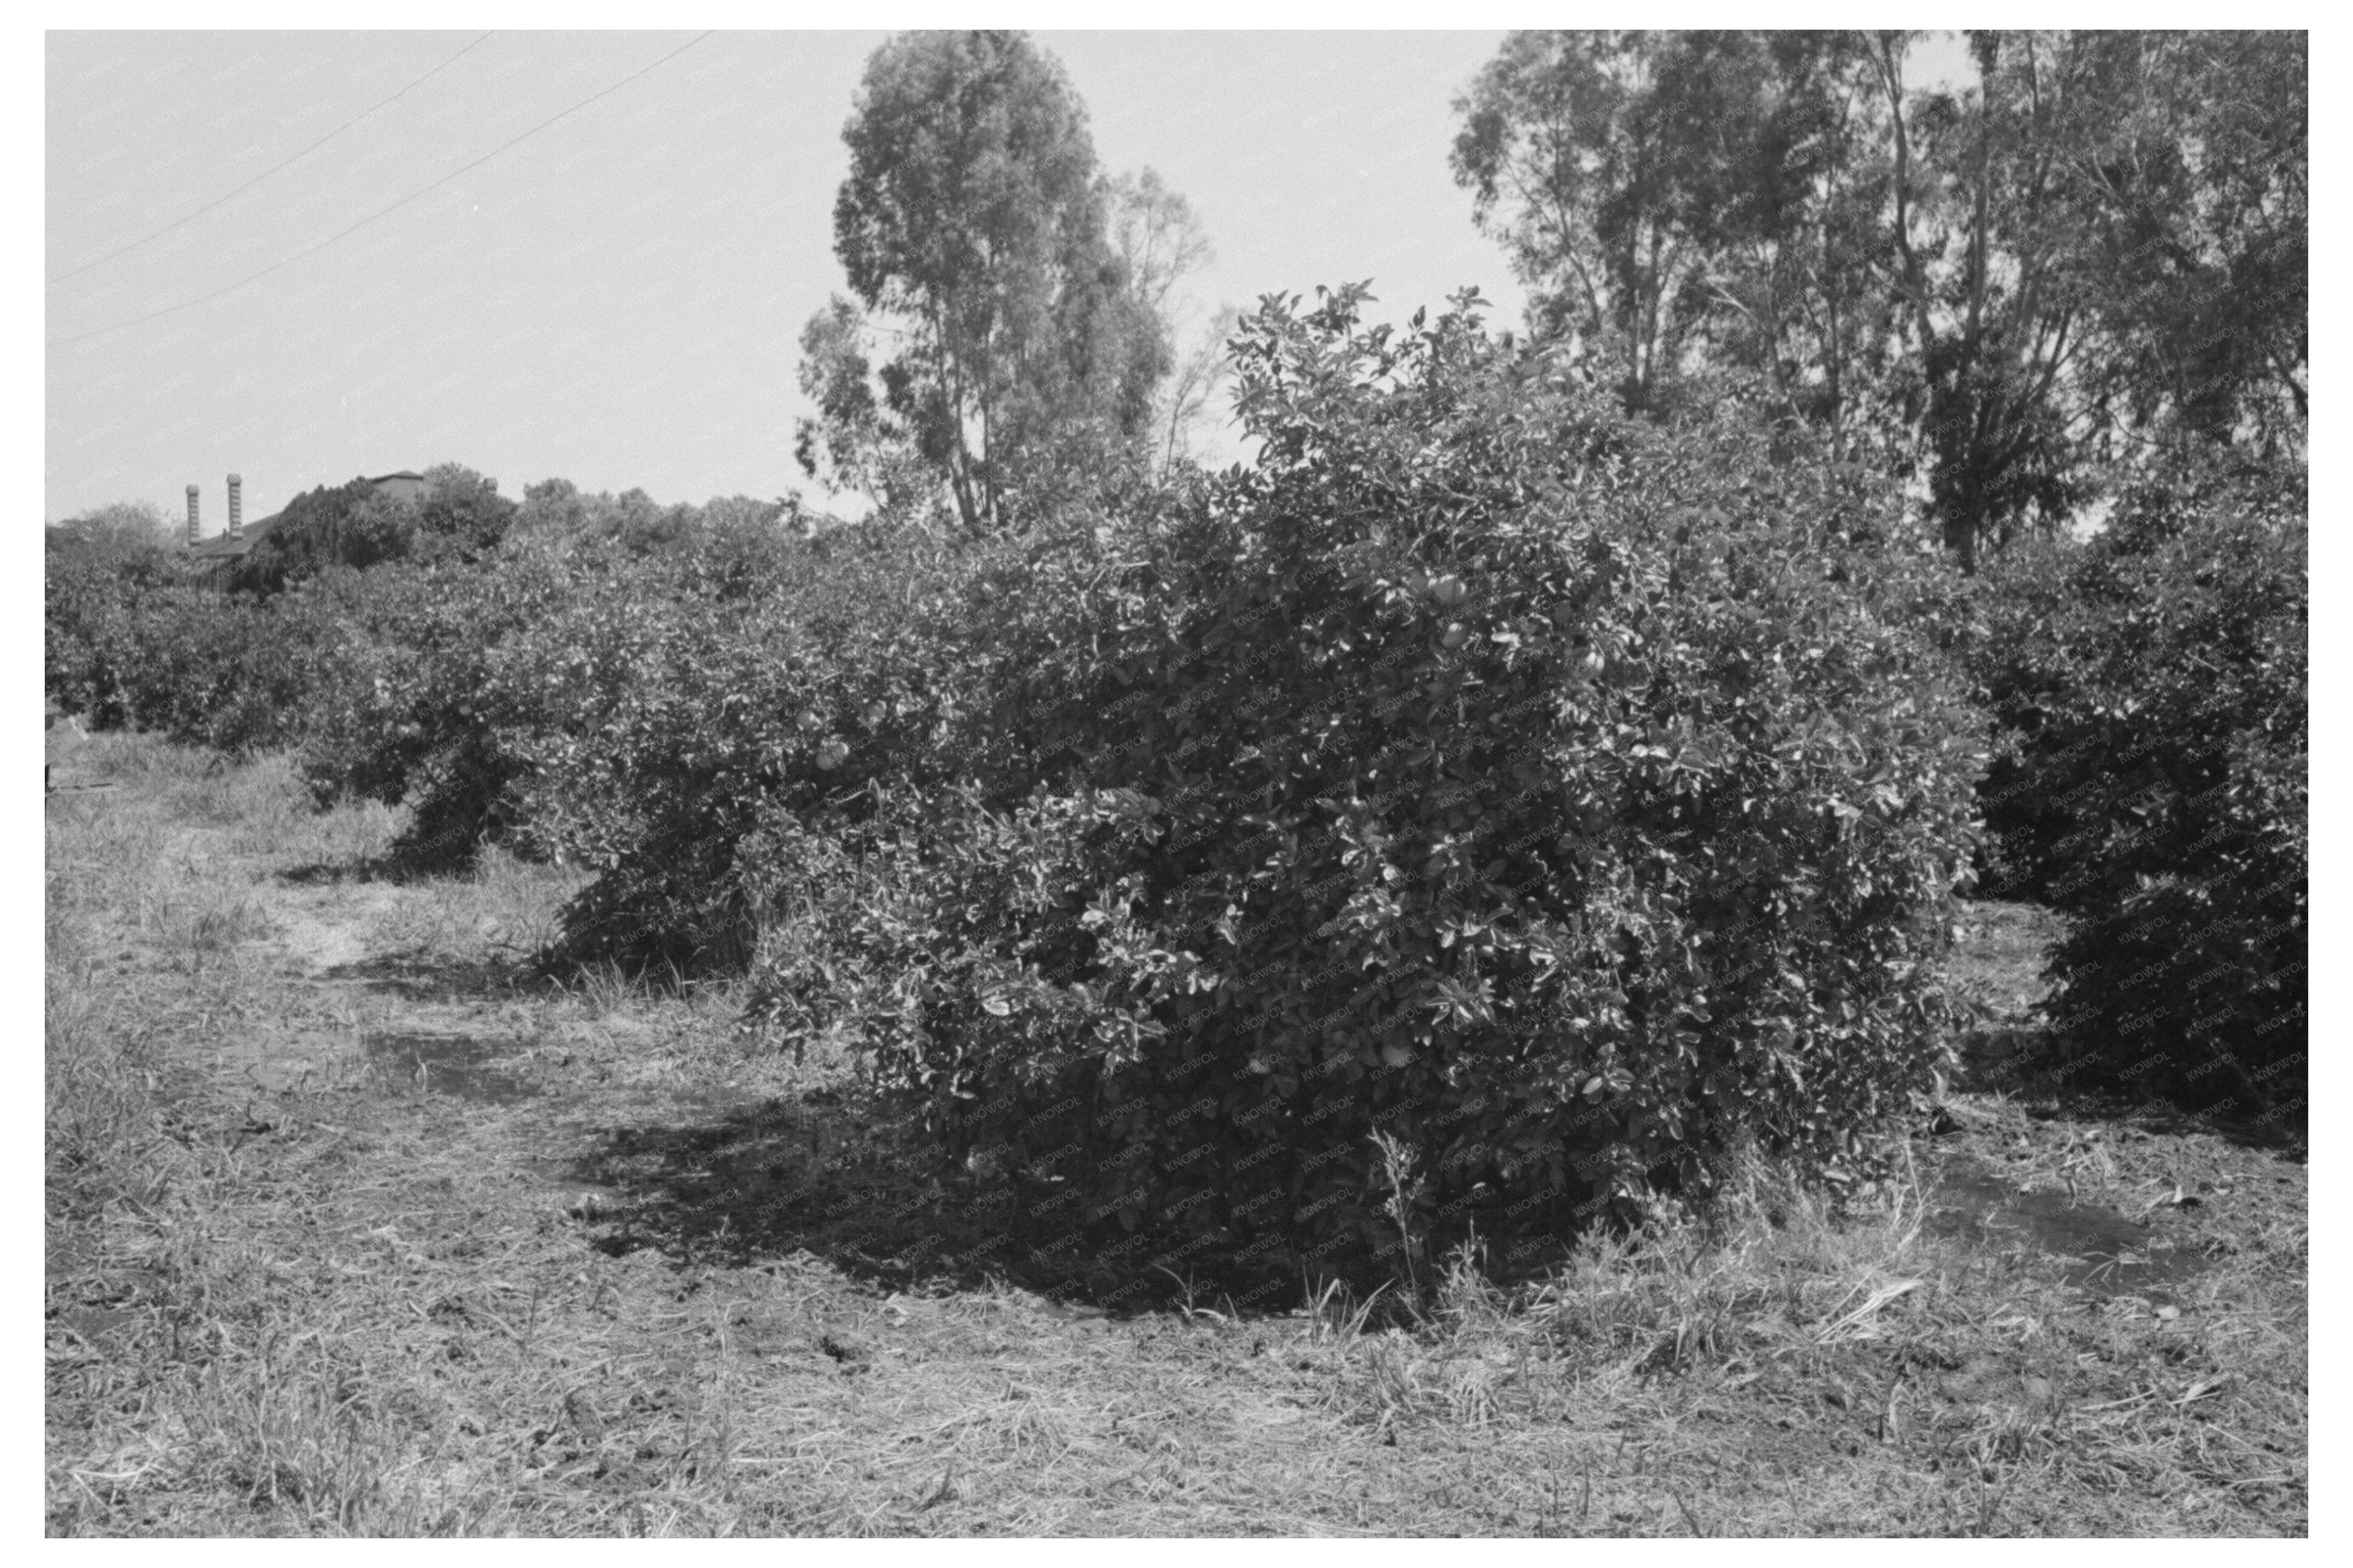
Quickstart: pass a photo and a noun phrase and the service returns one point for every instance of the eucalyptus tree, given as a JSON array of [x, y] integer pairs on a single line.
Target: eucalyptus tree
[[997, 341], [2089, 247]]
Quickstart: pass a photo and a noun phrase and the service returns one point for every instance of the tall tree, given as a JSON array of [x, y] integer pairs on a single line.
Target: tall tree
[[2197, 174], [1780, 180], [2102, 249], [973, 228], [1204, 367], [1158, 237], [1161, 240], [1682, 202], [1990, 263], [1568, 171], [859, 441], [2092, 250]]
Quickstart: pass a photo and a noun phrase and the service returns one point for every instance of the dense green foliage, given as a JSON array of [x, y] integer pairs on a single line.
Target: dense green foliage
[[339, 525], [1517, 793], [98, 579], [461, 513], [474, 690], [133, 640], [694, 726], [1567, 801], [2152, 782], [389, 677]]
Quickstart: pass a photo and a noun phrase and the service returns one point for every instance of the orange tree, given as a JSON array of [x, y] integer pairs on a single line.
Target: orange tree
[[1563, 801], [2150, 779]]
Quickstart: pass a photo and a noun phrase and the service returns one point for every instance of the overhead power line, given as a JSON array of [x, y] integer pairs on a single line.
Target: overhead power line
[[380, 212], [322, 141]]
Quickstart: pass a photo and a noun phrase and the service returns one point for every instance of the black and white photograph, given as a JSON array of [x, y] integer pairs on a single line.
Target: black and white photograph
[[1267, 776]]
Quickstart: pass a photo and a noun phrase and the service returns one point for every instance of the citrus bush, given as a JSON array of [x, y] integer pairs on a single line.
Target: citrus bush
[[459, 514], [2151, 779], [135, 640], [404, 714], [490, 693], [1561, 802], [677, 725], [94, 586]]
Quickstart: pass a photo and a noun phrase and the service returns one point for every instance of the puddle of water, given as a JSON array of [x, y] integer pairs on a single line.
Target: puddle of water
[[565, 1173], [456, 1065], [2100, 1250], [96, 1325]]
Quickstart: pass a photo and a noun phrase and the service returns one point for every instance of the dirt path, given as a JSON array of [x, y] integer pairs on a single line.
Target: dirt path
[[407, 1246]]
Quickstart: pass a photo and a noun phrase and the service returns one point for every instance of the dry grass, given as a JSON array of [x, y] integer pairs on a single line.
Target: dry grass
[[355, 1229]]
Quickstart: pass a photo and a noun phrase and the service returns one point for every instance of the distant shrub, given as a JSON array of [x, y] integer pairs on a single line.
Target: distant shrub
[[135, 640], [393, 716], [96, 574], [521, 695], [459, 515], [1566, 801], [340, 525], [2151, 779], [238, 677], [691, 721], [120, 532]]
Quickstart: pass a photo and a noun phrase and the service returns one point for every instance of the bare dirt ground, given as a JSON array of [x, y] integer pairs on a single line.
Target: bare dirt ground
[[355, 1229]]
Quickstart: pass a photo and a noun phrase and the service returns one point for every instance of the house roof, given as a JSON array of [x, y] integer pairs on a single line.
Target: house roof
[[221, 547]]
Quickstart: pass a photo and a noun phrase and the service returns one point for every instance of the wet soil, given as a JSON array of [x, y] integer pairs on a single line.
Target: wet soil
[[487, 1072], [2099, 1249]]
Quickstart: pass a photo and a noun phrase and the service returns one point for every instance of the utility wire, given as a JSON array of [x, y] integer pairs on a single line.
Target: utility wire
[[380, 212], [265, 174]]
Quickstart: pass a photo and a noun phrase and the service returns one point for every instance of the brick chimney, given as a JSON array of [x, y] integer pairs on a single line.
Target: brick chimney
[[193, 532], [236, 507]]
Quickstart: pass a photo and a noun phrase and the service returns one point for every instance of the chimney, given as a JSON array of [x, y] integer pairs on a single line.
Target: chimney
[[193, 532], [236, 507]]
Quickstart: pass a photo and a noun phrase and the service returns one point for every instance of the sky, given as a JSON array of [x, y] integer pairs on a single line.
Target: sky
[[616, 298], [303, 257]]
